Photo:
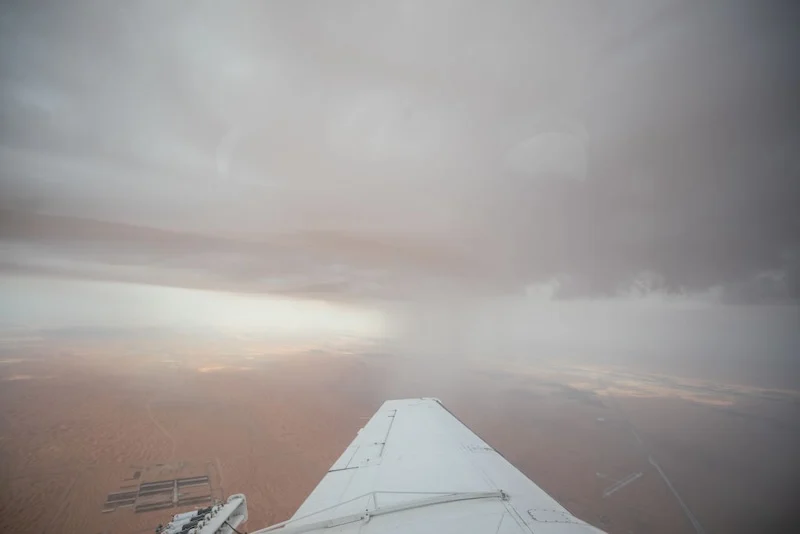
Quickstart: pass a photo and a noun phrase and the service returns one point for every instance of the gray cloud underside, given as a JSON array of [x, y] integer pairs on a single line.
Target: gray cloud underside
[[379, 150]]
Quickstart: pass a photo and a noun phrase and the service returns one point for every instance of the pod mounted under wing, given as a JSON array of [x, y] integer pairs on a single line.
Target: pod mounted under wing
[[416, 468]]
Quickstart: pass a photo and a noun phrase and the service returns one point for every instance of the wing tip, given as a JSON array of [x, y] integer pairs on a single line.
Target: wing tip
[[411, 401]]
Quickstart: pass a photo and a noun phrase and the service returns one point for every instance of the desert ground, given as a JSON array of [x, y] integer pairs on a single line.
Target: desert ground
[[628, 452]]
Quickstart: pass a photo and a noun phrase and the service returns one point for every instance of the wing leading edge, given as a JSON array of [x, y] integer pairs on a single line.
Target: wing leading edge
[[415, 467]]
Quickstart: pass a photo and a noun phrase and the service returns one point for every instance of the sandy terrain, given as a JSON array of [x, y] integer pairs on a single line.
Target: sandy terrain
[[77, 418]]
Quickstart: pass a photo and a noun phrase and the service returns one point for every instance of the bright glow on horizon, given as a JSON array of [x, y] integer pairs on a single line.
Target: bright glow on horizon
[[53, 303]]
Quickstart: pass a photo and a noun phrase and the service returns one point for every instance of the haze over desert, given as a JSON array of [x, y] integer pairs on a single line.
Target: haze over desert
[[79, 416], [231, 230]]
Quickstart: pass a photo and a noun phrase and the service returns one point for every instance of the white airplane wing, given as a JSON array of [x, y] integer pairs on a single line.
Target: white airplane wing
[[416, 468]]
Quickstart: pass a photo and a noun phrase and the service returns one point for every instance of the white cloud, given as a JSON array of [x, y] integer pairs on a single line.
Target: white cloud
[[549, 154]]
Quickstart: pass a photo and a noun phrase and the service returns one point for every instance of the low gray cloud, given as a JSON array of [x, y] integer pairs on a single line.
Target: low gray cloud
[[386, 150]]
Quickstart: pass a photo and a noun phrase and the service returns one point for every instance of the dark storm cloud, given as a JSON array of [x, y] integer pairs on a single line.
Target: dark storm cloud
[[363, 150]]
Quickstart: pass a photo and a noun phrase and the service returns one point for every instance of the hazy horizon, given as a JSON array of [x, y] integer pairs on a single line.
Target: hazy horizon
[[438, 190]]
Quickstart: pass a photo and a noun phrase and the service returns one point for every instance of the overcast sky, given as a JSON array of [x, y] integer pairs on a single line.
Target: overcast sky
[[385, 150]]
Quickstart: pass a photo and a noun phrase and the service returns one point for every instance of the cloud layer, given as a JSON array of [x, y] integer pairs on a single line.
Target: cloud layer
[[387, 150]]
